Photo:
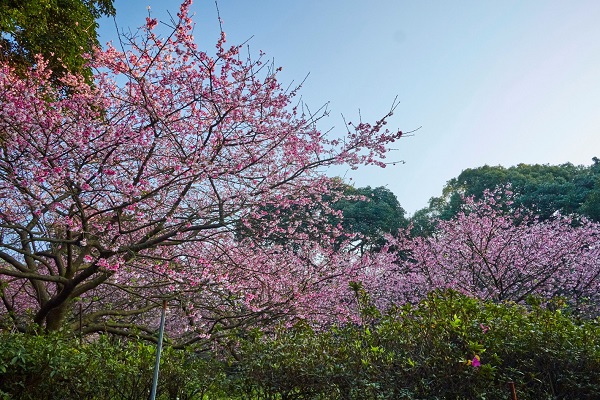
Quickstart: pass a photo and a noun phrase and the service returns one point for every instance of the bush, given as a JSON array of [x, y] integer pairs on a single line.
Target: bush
[[431, 351], [449, 346], [56, 367]]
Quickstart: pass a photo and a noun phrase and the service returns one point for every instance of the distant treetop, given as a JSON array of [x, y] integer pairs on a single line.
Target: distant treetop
[[543, 189]]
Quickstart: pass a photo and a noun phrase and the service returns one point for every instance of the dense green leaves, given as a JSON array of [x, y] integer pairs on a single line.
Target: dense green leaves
[[360, 215], [426, 351], [60, 30], [543, 189], [56, 367], [371, 212]]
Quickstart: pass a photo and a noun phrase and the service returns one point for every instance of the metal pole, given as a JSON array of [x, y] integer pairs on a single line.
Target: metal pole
[[80, 324], [513, 391], [158, 350]]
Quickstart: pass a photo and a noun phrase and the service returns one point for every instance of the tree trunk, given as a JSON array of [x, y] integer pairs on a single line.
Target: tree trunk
[[56, 317]]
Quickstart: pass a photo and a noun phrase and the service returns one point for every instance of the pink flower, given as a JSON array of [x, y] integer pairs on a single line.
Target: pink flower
[[484, 328], [151, 22], [475, 362]]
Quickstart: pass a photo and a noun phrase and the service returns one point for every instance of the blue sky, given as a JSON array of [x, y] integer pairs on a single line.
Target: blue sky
[[496, 82]]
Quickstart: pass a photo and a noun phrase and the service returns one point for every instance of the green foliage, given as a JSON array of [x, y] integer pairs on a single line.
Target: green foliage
[[56, 367], [426, 351], [368, 214], [591, 205], [423, 222], [372, 217], [544, 189], [60, 30], [423, 351]]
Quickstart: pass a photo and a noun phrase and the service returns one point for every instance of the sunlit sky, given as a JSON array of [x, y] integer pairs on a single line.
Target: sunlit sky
[[497, 82]]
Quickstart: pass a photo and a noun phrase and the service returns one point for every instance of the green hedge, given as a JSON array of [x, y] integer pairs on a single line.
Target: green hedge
[[414, 352], [423, 352], [57, 367]]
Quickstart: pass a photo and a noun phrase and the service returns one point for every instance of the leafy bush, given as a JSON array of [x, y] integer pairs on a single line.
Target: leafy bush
[[449, 346], [56, 367]]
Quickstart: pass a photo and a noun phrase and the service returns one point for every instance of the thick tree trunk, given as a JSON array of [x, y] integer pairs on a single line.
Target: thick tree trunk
[[56, 317]]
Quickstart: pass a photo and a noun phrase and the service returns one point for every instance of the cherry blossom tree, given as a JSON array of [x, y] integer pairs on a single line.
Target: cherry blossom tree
[[493, 251], [119, 195]]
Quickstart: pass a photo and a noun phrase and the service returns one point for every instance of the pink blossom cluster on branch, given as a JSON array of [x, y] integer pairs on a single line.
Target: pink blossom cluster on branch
[[492, 251], [133, 189]]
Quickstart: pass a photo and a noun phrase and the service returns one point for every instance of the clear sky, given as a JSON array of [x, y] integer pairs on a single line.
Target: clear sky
[[496, 82]]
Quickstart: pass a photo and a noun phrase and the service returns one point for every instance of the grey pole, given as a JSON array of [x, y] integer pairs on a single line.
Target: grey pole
[[158, 350]]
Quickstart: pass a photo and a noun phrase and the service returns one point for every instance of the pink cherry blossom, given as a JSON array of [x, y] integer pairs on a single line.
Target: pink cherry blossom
[[493, 253], [135, 190]]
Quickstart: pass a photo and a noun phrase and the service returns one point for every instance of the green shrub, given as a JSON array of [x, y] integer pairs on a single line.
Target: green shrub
[[42, 367], [57, 367], [425, 352]]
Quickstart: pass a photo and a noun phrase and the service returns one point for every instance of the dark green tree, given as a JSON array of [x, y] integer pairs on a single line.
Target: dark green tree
[[423, 222], [371, 213], [544, 189], [591, 205], [367, 215], [60, 30]]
